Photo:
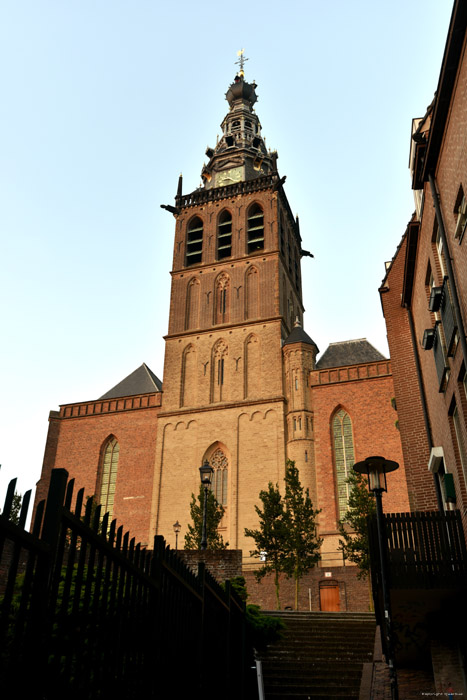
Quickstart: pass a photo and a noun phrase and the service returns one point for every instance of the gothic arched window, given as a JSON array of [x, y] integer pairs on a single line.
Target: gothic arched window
[[109, 466], [218, 371], [255, 228], [252, 293], [224, 235], [219, 463], [344, 457], [194, 241], [192, 304], [222, 299], [252, 366], [189, 384]]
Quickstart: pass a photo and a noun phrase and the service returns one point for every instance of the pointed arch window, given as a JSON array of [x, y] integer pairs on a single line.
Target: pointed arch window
[[344, 457], [218, 371], [194, 241], [219, 463], [193, 304], [222, 299], [109, 467], [255, 228], [252, 293], [224, 235]]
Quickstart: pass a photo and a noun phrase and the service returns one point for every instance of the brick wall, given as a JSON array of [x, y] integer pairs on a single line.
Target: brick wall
[[354, 594], [75, 441], [223, 565]]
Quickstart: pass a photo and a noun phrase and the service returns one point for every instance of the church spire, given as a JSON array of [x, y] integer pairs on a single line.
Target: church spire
[[240, 154]]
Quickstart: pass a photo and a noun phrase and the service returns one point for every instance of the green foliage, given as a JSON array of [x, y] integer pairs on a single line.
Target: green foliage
[[15, 508], [287, 531], [214, 514], [271, 537], [262, 629], [238, 583], [354, 543], [303, 543]]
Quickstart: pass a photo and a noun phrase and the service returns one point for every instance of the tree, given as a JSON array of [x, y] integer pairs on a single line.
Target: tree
[[214, 514], [271, 536], [15, 508], [353, 527], [303, 543]]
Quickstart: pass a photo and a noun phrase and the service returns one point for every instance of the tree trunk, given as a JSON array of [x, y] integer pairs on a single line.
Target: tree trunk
[[276, 582]]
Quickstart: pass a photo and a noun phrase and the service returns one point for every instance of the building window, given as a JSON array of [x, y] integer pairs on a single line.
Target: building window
[[222, 299], [194, 241], [224, 235], [306, 456], [219, 463], [255, 228], [344, 457], [460, 211], [218, 371], [109, 468], [460, 441]]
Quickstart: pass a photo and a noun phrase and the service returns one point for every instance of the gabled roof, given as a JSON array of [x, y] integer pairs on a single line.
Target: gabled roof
[[298, 335], [141, 381], [349, 352]]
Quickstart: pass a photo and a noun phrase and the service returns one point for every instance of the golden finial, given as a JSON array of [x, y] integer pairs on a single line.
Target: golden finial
[[241, 62]]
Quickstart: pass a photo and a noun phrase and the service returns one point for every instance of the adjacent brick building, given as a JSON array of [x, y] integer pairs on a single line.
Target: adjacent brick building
[[242, 384], [424, 294]]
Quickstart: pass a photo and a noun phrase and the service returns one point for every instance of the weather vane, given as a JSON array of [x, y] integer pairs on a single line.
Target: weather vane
[[241, 62]]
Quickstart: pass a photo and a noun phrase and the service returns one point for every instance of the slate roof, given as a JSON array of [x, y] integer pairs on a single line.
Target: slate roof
[[298, 335], [141, 381], [349, 352]]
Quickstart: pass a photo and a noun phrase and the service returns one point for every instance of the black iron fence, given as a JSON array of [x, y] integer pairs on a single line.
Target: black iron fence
[[87, 613]]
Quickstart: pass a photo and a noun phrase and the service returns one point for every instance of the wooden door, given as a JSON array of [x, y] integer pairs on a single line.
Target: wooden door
[[329, 598]]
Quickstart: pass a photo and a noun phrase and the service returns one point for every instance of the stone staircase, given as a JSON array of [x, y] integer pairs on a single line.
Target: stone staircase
[[320, 656]]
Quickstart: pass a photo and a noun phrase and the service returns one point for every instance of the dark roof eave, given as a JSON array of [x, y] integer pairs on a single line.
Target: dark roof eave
[[447, 79]]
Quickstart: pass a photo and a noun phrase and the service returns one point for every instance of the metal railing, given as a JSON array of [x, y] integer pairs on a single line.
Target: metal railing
[[86, 612]]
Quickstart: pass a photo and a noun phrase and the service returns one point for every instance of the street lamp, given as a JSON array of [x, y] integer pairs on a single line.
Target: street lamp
[[177, 528], [376, 469], [206, 472]]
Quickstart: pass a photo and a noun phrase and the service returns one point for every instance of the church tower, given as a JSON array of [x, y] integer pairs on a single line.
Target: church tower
[[237, 361]]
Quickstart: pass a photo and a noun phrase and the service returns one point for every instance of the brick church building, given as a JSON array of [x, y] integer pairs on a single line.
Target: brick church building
[[243, 386]]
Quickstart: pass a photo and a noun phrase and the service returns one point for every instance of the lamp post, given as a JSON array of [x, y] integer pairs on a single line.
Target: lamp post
[[206, 472], [177, 528], [376, 469]]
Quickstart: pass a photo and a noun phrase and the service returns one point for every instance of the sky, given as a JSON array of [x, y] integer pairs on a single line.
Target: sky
[[106, 102]]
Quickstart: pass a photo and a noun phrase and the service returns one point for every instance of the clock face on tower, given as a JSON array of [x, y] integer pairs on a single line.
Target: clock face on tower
[[229, 177]]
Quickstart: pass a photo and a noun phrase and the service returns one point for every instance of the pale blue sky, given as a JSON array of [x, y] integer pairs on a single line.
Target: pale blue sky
[[104, 103]]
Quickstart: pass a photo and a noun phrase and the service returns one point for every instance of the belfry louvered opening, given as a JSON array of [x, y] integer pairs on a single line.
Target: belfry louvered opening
[[194, 241], [255, 228], [224, 235]]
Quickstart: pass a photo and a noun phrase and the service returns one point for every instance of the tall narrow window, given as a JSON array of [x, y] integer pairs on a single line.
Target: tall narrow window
[[192, 304], [189, 383], [219, 463], [460, 441], [252, 366], [109, 476], [344, 457], [252, 293], [219, 371], [255, 228], [224, 236], [222, 299], [194, 241]]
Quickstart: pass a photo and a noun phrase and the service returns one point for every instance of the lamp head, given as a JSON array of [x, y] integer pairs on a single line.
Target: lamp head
[[206, 472], [376, 469]]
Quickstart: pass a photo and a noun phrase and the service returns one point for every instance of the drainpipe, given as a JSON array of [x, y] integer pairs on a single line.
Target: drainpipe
[[450, 269], [426, 418]]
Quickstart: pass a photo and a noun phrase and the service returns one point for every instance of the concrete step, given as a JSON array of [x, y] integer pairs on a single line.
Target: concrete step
[[320, 655]]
